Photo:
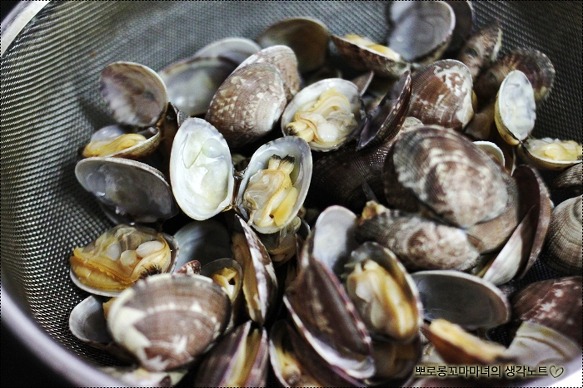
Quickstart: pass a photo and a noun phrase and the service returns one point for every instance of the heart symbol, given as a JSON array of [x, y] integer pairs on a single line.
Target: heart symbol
[[556, 371]]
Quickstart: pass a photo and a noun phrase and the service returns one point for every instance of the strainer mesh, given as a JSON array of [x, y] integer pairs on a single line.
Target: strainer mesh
[[50, 106]]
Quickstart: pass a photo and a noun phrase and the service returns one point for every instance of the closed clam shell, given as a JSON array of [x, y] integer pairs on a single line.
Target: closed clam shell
[[129, 187], [307, 37], [442, 94], [451, 175], [554, 303], [536, 65], [481, 49], [168, 321], [464, 23], [420, 31], [285, 60], [563, 240], [418, 242], [570, 179], [453, 295], [240, 358], [235, 49], [135, 94], [326, 318], [363, 58], [201, 170], [248, 104]]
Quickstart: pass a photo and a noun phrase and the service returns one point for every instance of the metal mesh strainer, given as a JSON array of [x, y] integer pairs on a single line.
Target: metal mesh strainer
[[51, 105]]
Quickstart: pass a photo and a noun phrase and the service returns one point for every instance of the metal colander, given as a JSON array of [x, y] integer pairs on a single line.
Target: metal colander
[[52, 55]]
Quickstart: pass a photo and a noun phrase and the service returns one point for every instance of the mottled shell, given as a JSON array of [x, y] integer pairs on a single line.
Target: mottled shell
[[418, 242], [167, 322], [235, 49], [563, 244], [248, 104], [307, 37], [240, 358], [451, 175], [363, 58], [537, 66], [571, 178], [421, 31], [555, 303], [481, 49], [130, 188], [327, 319], [135, 94], [192, 82], [201, 170], [442, 94], [453, 295]]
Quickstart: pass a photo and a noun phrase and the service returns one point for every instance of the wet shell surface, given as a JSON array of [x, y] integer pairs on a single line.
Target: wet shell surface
[[167, 322], [430, 161], [551, 154], [201, 170], [135, 94], [127, 187], [481, 49], [453, 296], [442, 94], [114, 140], [248, 104], [234, 49], [563, 244]]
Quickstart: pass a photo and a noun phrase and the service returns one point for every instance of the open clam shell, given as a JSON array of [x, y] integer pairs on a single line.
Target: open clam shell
[[452, 295], [114, 140], [326, 114], [551, 154], [168, 321], [135, 94], [121, 256], [204, 241], [130, 188], [239, 359], [201, 170], [442, 94], [420, 31], [258, 196], [307, 37]]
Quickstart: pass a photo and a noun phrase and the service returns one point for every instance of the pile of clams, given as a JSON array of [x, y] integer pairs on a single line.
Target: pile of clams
[[280, 219]]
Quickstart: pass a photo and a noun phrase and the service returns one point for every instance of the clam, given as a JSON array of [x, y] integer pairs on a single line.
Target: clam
[[137, 376], [364, 54], [481, 49], [130, 188], [168, 321], [275, 184], [442, 94], [452, 295], [418, 242], [383, 293], [537, 67], [259, 281], [201, 170], [554, 303], [325, 114], [493, 150], [248, 103], [464, 23], [192, 82], [235, 49], [307, 37], [551, 154], [135, 94], [570, 179], [394, 361], [515, 109], [456, 346], [204, 241], [114, 140], [563, 240], [420, 31], [119, 257], [285, 60], [326, 318], [482, 126], [430, 161], [239, 359], [384, 121]]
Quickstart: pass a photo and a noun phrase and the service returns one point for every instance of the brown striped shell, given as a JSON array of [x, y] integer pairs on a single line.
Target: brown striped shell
[[451, 175], [442, 94], [481, 49]]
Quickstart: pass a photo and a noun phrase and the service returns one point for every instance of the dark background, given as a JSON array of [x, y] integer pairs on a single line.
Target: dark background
[[20, 368]]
